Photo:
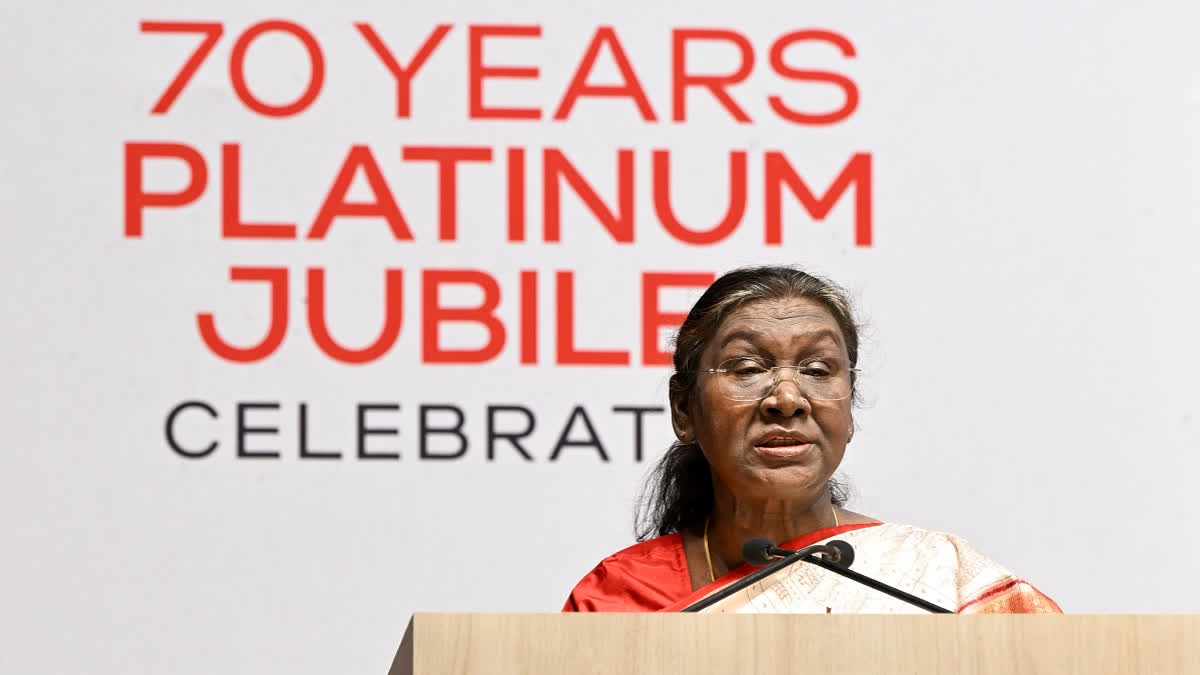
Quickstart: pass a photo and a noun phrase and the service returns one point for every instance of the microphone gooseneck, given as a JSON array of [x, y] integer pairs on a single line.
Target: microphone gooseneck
[[835, 556]]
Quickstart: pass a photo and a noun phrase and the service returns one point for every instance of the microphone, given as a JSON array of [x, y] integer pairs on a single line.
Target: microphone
[[836, 556], [759, 551], [845, 553]]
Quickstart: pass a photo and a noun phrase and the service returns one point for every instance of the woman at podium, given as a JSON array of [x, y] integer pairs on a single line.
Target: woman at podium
[[761, 404]]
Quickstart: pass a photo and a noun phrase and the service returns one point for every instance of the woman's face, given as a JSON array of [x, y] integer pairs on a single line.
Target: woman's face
[[784, 446]]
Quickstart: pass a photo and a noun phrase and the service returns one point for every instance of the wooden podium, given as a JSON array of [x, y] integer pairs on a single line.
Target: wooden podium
[[700, 644]]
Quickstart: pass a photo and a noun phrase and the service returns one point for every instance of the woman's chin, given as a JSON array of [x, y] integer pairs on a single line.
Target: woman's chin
[[787, 480]]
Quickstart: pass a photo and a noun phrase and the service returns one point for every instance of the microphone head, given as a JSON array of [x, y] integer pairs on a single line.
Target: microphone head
[[845, 553], [754, 551]]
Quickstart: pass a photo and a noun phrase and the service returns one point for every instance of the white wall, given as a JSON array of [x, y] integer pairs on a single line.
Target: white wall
[[1029, 292]]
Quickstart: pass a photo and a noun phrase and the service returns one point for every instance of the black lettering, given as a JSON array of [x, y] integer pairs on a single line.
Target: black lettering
[[170, 430], [243, 431], [364, 430], [637, 411], [426, 430], [512, 437], [305, 453], [592, 442]]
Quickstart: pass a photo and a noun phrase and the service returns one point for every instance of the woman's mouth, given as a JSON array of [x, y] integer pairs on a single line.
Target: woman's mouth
[[783, 447]]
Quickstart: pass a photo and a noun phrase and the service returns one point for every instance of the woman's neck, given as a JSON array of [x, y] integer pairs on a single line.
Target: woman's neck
[[735, 520]]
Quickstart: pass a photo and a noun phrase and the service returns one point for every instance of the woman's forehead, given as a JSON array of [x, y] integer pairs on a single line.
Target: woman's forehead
[[781, 318]]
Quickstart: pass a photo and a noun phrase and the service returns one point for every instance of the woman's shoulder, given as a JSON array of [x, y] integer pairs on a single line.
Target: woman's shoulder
[[906, 534], [890, 540], [984, 585], [644, 577], [664, 551]]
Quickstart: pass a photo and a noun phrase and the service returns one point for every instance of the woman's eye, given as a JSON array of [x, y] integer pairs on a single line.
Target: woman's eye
[[747, 368], [817, 369]]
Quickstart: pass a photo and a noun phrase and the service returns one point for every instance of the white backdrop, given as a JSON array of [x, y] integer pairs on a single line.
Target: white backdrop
[[1028, 287]]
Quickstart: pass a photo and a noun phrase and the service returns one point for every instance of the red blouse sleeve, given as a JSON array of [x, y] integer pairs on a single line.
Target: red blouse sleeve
[[643, 578]]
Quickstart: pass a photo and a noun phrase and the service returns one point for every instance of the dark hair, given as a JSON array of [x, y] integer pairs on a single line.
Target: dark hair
[[678, 494]]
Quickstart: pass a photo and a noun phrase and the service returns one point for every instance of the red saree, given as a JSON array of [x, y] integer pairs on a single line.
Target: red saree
[[653, 575]]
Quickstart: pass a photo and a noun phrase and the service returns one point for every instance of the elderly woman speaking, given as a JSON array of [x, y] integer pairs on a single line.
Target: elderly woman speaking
[[761, 404]]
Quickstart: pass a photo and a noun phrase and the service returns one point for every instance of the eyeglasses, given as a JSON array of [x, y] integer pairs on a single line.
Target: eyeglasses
[[820, 378]]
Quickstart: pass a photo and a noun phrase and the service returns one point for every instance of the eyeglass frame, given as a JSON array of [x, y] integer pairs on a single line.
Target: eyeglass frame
[[776, 378]]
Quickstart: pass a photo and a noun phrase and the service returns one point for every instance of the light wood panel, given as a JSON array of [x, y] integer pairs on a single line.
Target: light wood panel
[[697, 644]]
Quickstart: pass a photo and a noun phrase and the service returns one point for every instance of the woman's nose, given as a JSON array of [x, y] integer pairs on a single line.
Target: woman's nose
[[785, 400]]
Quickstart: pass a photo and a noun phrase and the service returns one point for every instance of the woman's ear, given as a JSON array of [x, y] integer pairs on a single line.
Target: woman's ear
[[681, 420]]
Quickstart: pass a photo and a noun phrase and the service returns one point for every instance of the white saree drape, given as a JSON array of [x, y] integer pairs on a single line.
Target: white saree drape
[[934, 566]]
